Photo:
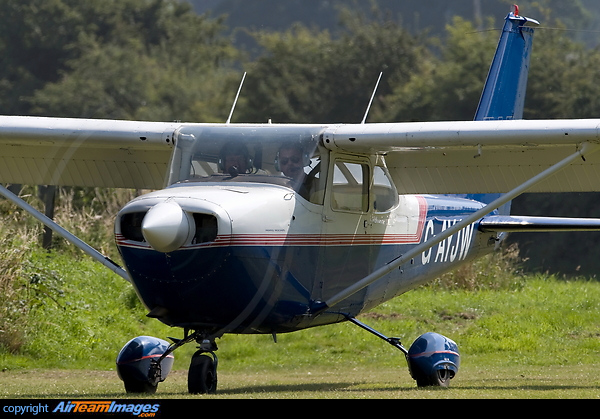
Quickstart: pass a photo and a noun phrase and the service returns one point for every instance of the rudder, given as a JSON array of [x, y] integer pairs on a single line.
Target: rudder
[[503, 95]]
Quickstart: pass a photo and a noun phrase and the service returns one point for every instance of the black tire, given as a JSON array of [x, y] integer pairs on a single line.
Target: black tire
[[439, 378], [202, 375], [135, 386]]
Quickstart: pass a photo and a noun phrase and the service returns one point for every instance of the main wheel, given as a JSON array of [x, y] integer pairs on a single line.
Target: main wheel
[[438, 378], [202, 375], [135, 383], [139, 387]]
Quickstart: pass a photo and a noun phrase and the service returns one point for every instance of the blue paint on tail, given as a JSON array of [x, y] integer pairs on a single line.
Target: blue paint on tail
[[503, 95]]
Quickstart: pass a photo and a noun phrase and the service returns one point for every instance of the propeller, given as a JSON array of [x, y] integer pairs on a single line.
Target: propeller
[[166, 227]]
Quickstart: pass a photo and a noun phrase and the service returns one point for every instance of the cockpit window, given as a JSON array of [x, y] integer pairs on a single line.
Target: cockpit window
[[385, 196], [284, 155], [350, 188]]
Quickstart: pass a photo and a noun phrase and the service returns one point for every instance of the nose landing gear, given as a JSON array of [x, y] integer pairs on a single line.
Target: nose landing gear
[[202, 374]]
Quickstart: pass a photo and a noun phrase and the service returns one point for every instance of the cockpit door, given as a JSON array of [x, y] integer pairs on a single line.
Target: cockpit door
[[347, 250]]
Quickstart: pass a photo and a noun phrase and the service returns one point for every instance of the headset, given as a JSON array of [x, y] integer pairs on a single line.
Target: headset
[[234, 149]]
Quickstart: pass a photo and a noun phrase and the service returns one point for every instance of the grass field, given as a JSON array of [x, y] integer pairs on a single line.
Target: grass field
[[343, 382], [537, 337]]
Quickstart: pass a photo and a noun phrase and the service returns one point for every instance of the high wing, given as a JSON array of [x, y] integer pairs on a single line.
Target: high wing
[[508, 157], [464, 157], [84, 152], [478, 156]]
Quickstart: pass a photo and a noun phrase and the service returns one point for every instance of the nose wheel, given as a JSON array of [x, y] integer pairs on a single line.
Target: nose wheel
[[202, 375]]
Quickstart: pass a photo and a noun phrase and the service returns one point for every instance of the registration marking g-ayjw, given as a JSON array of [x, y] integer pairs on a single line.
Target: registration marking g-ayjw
[[454, 248]]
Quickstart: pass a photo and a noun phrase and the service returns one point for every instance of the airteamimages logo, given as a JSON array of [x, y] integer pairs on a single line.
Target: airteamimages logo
[[142, 410]]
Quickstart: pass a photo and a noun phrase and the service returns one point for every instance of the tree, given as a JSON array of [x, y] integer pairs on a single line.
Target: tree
[[142, 59], [448, 87], [564, 80], [311, 76], [122, 59]]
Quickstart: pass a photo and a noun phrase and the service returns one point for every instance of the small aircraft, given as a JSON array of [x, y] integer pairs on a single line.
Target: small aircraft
[[273, 228]]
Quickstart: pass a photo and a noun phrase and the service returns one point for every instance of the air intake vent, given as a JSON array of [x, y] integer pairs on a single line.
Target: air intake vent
[[206, 228], [131, 226]]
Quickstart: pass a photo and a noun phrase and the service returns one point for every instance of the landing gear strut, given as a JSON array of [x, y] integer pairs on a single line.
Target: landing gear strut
[[433, 359], [202, 374], [395, 342]]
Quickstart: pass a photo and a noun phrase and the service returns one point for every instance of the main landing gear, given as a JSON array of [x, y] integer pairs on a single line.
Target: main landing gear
[[433, 359], [145, 361]]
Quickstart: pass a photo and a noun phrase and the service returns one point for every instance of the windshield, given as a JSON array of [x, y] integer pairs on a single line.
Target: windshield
[[284, 155]]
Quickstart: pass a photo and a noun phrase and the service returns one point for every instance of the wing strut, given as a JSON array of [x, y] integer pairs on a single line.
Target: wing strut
[[64, 233], [320, 306]]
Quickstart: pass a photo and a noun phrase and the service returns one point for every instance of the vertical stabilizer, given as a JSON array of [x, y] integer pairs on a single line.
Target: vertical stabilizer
[[503, 95]]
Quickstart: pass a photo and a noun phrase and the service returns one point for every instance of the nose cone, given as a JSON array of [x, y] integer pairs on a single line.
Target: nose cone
[[166, 227]]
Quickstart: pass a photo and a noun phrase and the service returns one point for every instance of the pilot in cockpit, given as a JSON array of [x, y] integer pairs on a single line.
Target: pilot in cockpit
[[235, 159]]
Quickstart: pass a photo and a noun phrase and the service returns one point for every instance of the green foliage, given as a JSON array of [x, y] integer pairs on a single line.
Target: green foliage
[[449, 87], [157, 59], [307, 75], [14, 301], [126, 59], [563, 81], [501, 270], [76, 315], [89, 213]]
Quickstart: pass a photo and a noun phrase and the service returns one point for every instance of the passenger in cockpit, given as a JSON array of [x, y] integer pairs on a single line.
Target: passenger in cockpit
[[291, 160]]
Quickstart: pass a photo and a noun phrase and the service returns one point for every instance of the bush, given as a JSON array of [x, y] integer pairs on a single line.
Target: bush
[[500, 270], [14, 290], [26, 282]]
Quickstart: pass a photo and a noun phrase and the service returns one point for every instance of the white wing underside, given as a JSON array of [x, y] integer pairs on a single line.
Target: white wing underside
[[479, 156], [429, 157], [79, 152]]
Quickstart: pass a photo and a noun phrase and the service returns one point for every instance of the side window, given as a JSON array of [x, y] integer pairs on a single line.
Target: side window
[[385, 196], [350, 189]]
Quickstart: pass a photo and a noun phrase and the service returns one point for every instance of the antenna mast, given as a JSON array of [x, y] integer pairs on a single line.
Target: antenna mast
[[372, 96], [236, 98]]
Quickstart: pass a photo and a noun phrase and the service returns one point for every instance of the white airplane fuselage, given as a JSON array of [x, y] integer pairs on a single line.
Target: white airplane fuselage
[[268, 253]]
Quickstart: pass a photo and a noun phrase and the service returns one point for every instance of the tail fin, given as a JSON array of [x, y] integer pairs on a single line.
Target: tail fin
[[503, 95]]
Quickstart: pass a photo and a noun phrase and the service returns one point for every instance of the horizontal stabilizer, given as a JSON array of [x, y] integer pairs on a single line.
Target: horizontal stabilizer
[[523, 224]]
